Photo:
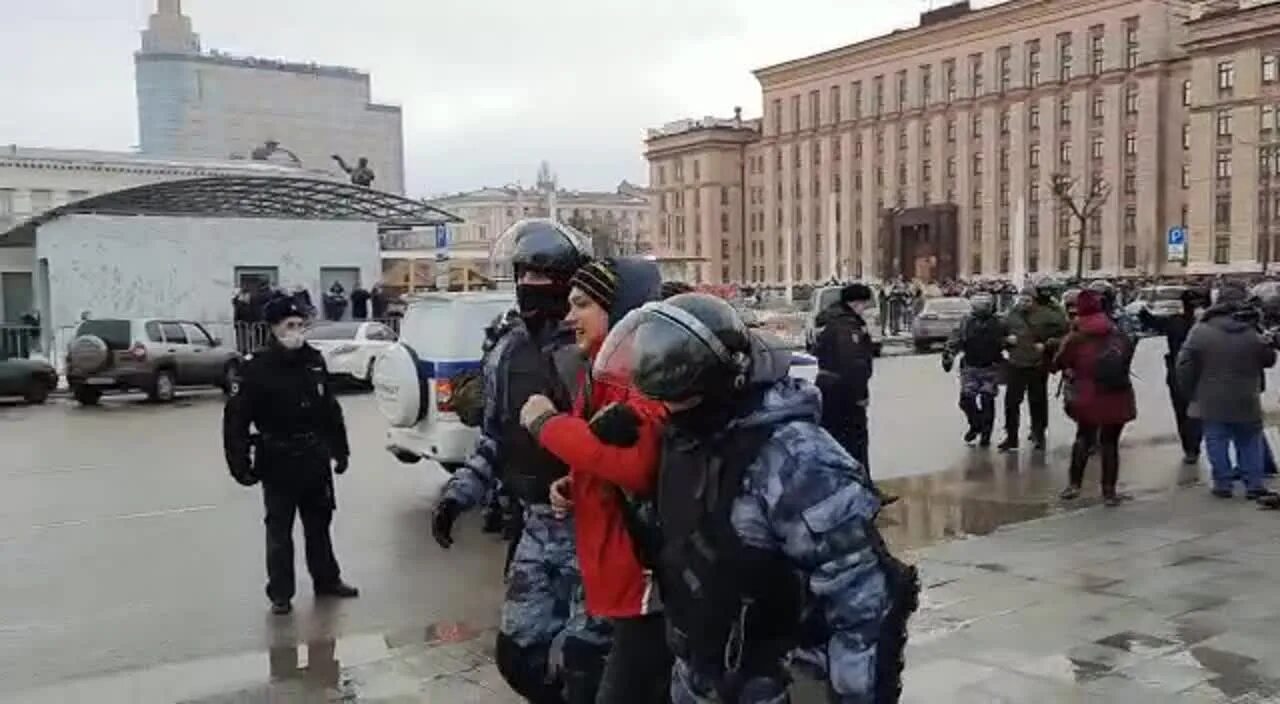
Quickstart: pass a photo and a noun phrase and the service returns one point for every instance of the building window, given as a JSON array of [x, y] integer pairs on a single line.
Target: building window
[[1095, 148], [1186, 94], [1131, 43], [795, 113], [697, 171], [926, 135], [1064, 57], [902, 138], [1064, 152], [1096, 106], [1033, 192], [679, 171], [1064, 111], [857, 147], [724, 222], [877, 97], [1004, 230], [1186, 175], [949, 78], [1004, 121], [1130, 256], [951, 167], [951, 130], [975, 129], [1186, 137], [1033, 63], [1130, 144], [1097, 52], [1004, 72], [662, 175], [926, 85], [1222, 212], [977, 198], [1224, 165], [837, 150], [1004, 194], [1270, 68], [879, 142], [724, 195], [1267, 120], [1033, 117], [1226, 75], [1130, 182], [975, 75], [815, 108], [1224, 123], [902, 91], [902, 174], [977, 164], [1033, 159], [817, 154], [835, 104], [1221, 250], [926, 170], [1131, 99], [1004, 159], [855, 100]]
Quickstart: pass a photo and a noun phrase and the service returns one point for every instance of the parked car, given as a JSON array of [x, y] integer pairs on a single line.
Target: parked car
[[32, 379], [824, 297], [153, 355], [441, 337], [937, 320], [1161, 301], [351, 348]]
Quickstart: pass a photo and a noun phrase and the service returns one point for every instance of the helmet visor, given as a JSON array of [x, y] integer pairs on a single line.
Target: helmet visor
[[550, 233], [656, 354]]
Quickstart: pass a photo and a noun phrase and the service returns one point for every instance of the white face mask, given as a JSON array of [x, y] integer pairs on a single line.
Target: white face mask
[[289, 333]]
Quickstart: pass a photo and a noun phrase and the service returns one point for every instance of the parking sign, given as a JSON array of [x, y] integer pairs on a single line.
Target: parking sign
[[442, 242], [1176, 243]]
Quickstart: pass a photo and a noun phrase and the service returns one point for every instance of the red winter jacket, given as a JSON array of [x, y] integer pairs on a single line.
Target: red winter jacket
[[1079, 355], [617, 585]]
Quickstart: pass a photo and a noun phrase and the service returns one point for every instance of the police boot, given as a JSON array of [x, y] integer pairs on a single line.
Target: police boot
[[340, 590], [282, 607], [1009, 444]]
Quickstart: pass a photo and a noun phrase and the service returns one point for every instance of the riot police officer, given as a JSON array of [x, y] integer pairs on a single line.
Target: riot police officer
[[301, 441], [980, 339], [1175, 329], [543, 610], [766, 542]]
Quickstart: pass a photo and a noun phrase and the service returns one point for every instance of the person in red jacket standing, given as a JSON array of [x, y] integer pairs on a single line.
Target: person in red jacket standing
[[611, 443]]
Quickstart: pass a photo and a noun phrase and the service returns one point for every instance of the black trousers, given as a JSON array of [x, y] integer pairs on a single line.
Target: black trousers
[[1088, 437], [847, 423], [313, 500], [1033, 383], [1190, 430], [638, 670]]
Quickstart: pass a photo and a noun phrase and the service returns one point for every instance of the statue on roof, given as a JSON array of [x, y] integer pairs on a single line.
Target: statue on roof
[[270, 148], [361, 175]]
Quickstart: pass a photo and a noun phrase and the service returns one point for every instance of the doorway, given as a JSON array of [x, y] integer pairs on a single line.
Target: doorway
[[17, 295], [349, 278]]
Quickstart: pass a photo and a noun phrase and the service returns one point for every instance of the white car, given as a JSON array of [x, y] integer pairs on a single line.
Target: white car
[[351, 347], [441, 336]]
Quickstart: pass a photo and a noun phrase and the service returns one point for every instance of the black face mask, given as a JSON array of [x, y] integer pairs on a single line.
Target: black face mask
[[701, 421], [1044, 299], [541, 303]]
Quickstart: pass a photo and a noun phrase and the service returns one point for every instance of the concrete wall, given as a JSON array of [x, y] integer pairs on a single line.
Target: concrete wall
[[185, 267]]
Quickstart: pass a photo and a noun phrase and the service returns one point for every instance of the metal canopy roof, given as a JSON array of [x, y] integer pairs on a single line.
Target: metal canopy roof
[[250, 197]]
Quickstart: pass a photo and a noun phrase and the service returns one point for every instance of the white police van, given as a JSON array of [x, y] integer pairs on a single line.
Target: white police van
[[441, 337]]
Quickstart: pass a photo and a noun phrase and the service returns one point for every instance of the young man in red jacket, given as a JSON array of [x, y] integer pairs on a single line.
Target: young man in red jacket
[[611, 442]]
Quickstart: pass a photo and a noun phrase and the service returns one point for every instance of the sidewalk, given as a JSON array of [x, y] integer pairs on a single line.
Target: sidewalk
[[1172, 599]]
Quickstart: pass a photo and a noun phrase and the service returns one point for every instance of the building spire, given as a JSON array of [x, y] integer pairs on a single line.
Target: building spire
[[169, 7], [169, 31]]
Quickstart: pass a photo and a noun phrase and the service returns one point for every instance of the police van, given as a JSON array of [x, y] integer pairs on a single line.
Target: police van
[[441, 337]]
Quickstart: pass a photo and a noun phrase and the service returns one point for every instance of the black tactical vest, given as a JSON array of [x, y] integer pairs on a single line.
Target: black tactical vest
[[528, 470], [729, 607]]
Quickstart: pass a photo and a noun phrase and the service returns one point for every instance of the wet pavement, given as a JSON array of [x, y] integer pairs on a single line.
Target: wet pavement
[[133, 564]]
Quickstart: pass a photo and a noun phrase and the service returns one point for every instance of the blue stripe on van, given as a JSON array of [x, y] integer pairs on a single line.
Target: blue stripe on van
[[428, 369]]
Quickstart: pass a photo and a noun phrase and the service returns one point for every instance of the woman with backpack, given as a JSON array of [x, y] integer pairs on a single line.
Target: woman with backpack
[[1096, 357]]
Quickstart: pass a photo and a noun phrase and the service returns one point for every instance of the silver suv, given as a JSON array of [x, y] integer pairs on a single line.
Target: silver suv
[[152, 355]]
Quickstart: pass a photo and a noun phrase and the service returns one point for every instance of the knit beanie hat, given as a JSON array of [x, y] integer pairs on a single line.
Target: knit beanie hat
[[599, 280]]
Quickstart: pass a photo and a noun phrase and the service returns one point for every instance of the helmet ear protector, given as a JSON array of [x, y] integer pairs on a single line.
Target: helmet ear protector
[[737, 362]]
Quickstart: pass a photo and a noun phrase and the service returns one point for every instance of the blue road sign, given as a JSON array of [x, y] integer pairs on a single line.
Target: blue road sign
[[1176, 243], [442, 236]]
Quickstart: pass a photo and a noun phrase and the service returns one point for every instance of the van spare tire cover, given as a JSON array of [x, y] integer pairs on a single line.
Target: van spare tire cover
[[397, 386], [88, 354]]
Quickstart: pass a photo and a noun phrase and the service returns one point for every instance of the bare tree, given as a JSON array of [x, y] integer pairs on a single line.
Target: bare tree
[[1083, 202]]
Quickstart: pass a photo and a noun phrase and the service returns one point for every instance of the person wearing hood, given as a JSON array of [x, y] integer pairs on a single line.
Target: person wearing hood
[[1220, 368], [845, 355], [769, 554], [1175, 329], [301, 441], [610, 441], [979, 339], [546, 648], [1036, 326], [1095, 358]]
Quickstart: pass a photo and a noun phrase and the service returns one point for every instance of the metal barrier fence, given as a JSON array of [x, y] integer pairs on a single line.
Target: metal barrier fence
[[20, 341]]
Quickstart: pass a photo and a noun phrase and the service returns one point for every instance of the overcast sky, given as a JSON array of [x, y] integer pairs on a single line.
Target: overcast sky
[[489, 87]]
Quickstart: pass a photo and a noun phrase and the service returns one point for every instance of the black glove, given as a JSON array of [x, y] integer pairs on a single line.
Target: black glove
[[245, 478], [340, 464], [947, 362], [446, 513], [616, 424]]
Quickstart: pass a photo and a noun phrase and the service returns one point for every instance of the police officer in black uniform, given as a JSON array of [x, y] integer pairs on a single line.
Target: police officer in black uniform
[[1175, 329], [300, 441]]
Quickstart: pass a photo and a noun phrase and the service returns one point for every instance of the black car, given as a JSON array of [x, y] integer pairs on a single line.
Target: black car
[[31, 379]]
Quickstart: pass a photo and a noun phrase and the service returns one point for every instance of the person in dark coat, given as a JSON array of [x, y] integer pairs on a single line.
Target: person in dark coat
[[301, 440], [360, 304], [378, 302], [335, 302], [1100, 414], [1175, 330], [845, 355], [1220, 367], [1036, 326]]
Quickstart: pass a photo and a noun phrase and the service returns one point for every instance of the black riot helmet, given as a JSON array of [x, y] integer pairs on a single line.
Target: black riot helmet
[[542, 245], [688, 346], [1045, 291]]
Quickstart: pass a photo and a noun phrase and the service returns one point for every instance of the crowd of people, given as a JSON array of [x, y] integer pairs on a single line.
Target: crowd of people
[[689, 522]]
